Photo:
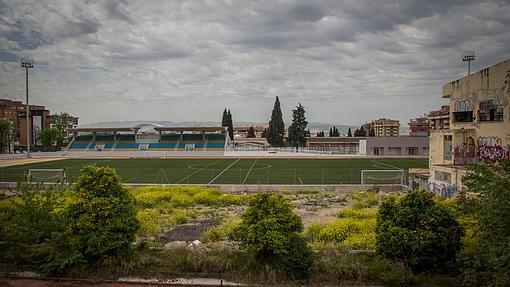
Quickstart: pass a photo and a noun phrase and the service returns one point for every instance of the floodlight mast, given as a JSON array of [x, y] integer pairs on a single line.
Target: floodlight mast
[[27, 64], [468, 57]]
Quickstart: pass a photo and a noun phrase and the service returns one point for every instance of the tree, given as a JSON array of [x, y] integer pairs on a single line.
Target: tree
[[330, 132], [49, 137], [224, 119], [251, 133], [371, 133], [264, 133], [276, 129], [102, 219], [297, 129], [362, 132], [486, 261], [61, 122], [271, 231], [349, 133], [5, 135], [230, 125], [418, 231], [320, 134]]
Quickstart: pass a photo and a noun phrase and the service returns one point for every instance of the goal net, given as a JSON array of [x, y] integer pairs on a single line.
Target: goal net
[[189, 147], [41, 175], [390, 177]]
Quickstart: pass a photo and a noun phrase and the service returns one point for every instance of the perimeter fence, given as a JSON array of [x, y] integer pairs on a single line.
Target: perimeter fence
[[241, 176]]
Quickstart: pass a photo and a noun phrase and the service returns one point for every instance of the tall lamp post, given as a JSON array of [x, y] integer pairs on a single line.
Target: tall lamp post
[[27, 64], [468, 57]]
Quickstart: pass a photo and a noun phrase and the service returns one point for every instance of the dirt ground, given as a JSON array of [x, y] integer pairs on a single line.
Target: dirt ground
[[315, 206], [19, 161]]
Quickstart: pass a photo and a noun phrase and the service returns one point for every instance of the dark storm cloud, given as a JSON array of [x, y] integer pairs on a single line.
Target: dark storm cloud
[[346, 61]]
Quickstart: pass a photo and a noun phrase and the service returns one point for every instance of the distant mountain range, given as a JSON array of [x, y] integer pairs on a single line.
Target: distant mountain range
[[118, 124]]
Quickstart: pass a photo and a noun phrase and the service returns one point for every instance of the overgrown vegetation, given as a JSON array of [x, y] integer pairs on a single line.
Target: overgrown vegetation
[[270, 230], [485, 259], [418, 231]]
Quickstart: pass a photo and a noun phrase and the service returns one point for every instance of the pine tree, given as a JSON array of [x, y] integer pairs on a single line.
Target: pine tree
[[297, 130], [371, 133], [276, 128], [251, 133], [230, 125], [264, 133], [356, 133], [349, 133], [330, 132], [224, 119], [362, 132]]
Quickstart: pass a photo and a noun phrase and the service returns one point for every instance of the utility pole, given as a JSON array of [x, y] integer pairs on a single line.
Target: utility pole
[[27, 64]]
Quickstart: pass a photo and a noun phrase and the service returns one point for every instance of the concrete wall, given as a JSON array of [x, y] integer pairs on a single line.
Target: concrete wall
[[397, 145]]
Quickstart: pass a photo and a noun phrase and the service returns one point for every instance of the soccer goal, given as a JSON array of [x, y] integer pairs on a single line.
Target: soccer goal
[[389, 177], [189, 147], [46, 175]]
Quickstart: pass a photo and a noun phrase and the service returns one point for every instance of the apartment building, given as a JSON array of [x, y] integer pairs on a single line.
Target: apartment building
[[479, 127], [440, 119]]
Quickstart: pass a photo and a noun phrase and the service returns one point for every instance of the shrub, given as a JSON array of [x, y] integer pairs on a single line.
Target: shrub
[[485, 259], [270, 230], [367, 199], [418, 231], [357, 213], [349, 233], [221, 233], [103, 220]]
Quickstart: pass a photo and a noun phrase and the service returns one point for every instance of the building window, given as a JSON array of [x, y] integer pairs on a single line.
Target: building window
[[490, 112], [412, 150], [447, 144], [443, 176], [463, 117]]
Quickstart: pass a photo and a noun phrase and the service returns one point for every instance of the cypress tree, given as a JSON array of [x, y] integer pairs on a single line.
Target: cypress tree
[[330, 132], [251, 133], [349, 133], [276, 128], [224, 119], [297, 130], [230, 125]]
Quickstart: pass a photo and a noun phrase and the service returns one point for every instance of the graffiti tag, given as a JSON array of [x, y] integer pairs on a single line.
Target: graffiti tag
[[491, 149]]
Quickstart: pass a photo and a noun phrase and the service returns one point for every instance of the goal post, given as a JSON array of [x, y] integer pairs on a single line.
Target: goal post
[[384, 177], [46, 175]]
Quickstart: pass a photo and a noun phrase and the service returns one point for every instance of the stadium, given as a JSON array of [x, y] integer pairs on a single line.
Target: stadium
[[153, 154]]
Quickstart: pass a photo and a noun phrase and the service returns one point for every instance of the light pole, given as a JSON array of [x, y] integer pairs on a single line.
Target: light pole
[[27, 64], [468, 57]]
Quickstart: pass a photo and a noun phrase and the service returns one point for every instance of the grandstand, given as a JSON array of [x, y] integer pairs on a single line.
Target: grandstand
[[149, 137]]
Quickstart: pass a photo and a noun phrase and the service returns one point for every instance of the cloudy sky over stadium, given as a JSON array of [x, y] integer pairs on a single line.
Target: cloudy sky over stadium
[[345, 61]]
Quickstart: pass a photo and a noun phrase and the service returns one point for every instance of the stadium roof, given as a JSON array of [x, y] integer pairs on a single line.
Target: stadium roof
[[156, 128]]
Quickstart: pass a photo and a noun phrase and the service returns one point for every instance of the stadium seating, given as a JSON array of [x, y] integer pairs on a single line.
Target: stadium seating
[[170, 142]]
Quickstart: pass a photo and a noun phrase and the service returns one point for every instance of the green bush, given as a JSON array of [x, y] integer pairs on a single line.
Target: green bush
[[103, 220], [357, 213], [270, 230], [220, 233], [418, 231], [485, 258], [366, 199]]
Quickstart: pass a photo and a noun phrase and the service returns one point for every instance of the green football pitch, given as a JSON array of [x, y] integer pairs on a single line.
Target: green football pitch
[[219, 171]]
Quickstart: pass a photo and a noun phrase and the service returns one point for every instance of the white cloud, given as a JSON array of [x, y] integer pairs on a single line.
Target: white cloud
[[345, 61]]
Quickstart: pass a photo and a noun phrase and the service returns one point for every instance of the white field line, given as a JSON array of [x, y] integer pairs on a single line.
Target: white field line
[[381, 163], [188, 176], [224, 171], [248, 174]]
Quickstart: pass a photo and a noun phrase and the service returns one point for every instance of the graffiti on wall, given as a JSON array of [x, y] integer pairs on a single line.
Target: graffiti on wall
[[491, 149], [466, 153], [468, 98], [443, 190], [463, 105]]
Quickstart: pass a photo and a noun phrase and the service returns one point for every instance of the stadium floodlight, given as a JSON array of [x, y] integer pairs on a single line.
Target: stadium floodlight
[[468, 57], [27, 64]]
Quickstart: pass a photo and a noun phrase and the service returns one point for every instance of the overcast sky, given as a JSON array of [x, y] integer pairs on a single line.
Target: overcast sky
[[345, 61]]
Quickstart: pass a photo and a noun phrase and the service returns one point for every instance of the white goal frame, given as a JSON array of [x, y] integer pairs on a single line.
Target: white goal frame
[[189, 147], [60, 174], [398, 175]]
